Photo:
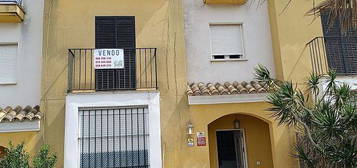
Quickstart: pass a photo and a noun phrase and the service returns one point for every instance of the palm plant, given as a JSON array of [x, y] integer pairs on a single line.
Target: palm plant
[[343, 10], [325, 119]]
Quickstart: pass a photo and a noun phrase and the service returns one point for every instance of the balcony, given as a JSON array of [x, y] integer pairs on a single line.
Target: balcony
[[11, 11], [89, 70], [226, 2], [334, 53]]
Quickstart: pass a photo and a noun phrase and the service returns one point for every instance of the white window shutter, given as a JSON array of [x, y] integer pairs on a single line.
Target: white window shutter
[[8, 61], [226, 39]]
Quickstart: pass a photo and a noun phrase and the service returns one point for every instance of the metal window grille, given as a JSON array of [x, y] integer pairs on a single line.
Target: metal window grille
[[114, 137], [334, 53]]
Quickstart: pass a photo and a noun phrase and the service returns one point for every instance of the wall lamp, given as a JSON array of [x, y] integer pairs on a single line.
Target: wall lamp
[[190, 128], [236, 123]]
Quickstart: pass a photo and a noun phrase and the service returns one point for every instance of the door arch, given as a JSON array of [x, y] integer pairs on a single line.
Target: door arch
[[256, 140]]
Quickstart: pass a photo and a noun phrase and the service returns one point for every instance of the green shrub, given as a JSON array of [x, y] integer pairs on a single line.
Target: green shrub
[[15, 157], [44, 159]]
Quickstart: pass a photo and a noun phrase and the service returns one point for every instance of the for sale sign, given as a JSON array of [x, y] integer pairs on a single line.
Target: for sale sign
[[108, 58]]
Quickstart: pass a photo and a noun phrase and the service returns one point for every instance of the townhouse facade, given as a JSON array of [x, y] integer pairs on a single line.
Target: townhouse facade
[[21, 37], [224, 43], [159, 83], [120, 114]]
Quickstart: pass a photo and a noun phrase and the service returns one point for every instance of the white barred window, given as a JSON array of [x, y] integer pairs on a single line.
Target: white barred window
[[114, 137]]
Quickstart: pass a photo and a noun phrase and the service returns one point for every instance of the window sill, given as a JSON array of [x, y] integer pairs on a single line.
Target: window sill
[[225, 2], [228, 60], [24, 126], [8, 83]]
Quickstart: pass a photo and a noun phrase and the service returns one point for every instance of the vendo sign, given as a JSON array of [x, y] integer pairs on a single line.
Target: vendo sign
[[108, 58]]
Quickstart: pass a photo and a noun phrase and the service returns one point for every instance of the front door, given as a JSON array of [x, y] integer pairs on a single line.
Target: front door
[[231, 149]]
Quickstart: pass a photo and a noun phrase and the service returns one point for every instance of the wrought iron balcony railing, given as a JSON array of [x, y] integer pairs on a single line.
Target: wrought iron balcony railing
[[334, 53], [138, 71]]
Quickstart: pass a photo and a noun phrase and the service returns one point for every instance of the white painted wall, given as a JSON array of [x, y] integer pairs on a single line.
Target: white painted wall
[[23, 126], [340, 80], [257, 40], [28, 35], [113, 99]]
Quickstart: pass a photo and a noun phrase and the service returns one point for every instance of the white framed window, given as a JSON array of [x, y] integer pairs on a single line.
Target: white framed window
[[226, 42], [127, 125], [8, 63]]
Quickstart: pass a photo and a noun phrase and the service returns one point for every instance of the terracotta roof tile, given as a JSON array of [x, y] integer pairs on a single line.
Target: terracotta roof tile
[[18, 113], [228, 88]]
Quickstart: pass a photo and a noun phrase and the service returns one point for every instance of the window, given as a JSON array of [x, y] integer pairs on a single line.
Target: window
[[114, 137], [226, 41], [8, 59], [341, 49], [116, 32]]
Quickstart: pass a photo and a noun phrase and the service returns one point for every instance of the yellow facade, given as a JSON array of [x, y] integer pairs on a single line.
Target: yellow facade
[[291, 30], [257, 139], [32, 140], [281, 138], [160, 24]]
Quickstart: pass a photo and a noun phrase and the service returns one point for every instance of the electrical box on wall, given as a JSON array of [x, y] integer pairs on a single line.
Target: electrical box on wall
[[234, 2]]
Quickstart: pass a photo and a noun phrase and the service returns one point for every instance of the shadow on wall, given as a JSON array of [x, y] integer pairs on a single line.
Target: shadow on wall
[[32, 141]]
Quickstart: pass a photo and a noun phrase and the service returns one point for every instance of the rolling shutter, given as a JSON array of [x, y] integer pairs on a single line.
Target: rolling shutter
[[116, 32], [226, 40], [8, 61]]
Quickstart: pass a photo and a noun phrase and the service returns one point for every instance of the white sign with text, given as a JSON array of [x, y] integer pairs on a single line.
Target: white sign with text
[[108, 58]]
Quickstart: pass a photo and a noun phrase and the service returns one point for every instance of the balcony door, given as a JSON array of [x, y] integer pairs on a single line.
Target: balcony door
[[340, 47], [116, 32]]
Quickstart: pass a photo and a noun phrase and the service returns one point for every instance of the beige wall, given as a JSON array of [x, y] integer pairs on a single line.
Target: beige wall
[[257, 138]]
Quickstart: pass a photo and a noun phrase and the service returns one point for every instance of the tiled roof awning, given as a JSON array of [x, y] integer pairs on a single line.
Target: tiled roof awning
[[19, 114], [228, 88]]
